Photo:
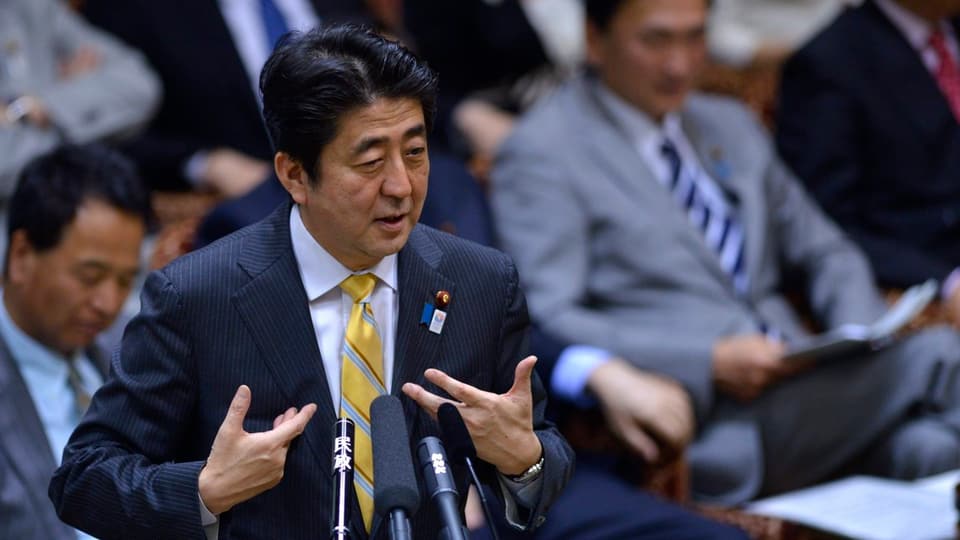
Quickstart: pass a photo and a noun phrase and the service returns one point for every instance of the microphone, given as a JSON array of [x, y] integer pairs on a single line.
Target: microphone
[[343, 493], [462, 450], [440, 485], [396, 494]]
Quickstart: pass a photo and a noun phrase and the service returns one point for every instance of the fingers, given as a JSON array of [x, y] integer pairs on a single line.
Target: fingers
[[640, 442], [286, 416], [522, 375], [238, 409], [290, 428], [458, 390], [428, 401]]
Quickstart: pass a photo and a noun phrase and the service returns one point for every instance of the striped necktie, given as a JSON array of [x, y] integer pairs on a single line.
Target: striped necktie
[[361, 381], [80, 395], [721, 230], [274, 25]]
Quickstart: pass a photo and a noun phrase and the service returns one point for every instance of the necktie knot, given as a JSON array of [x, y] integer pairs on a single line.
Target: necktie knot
[[359, 286]]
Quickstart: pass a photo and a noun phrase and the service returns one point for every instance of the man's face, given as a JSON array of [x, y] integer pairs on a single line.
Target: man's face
[[64, 296], [372, 183], [652, 52]]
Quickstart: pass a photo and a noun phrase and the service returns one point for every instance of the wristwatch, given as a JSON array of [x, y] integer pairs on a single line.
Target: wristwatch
[[530, 474]]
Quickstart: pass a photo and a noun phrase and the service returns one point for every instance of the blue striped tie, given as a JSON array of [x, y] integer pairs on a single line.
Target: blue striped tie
[[274, 25], [721, 230]]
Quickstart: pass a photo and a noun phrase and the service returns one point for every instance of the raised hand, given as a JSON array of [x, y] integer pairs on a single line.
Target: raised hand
[[242, 465], [501, 425]]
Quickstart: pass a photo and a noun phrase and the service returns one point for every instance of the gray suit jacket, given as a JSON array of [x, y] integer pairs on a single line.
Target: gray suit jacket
[[607, 258], [115, 98], [26, 462]]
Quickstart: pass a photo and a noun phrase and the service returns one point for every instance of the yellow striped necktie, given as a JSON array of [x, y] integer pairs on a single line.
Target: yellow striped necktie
[[361, 381]]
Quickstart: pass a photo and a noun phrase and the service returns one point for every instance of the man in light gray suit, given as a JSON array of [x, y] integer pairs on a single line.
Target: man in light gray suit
[[77, 222], [63, 81], [660, 227]]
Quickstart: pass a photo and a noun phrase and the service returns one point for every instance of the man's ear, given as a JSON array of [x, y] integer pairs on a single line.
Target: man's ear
[[293, 176], [594, 42], [22, 258]]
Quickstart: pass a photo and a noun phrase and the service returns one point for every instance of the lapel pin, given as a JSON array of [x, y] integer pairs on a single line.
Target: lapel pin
[[441, 299], [437, 314]]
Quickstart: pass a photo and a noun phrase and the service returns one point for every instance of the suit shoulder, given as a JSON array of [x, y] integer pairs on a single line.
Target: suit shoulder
[[459, 254], [837, 44]]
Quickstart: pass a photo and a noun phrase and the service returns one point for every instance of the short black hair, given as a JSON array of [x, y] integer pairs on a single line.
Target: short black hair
[[313, 78], [601, 12], [53, 186]]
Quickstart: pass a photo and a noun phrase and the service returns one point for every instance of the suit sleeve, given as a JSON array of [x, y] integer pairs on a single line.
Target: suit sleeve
[[557, 454], [120, 476], [543, 222]]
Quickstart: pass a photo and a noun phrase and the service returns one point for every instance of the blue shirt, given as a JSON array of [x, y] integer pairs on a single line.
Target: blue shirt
[[46, 373]]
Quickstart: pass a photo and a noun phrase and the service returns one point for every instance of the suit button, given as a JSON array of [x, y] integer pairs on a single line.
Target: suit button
[[539, 521]]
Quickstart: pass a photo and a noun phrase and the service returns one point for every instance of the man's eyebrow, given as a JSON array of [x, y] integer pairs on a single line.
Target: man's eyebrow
[[369, 142]]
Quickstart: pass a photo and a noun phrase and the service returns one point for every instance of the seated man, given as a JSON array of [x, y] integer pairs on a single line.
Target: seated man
[[76, 224], [870, 120], [661, 226]]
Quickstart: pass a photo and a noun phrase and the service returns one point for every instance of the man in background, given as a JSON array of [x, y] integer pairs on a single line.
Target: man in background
[[76, 224], [869, 119], [659, 227]]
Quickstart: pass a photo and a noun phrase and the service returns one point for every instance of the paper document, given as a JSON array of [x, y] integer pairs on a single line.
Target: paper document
[[871, 508], [850, 339]]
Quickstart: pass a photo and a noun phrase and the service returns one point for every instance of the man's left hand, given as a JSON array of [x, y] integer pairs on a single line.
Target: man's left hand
[[501, 425]]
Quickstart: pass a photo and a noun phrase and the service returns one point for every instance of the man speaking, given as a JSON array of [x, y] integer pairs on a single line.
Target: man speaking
[[218, 415]]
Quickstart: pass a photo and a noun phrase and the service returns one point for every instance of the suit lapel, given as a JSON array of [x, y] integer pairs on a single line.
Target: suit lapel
[[716, 161], [23, 439], [274, 307], [636, 179], [417, 348]]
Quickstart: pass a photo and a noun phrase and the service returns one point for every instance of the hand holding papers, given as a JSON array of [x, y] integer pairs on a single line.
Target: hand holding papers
[[852, 339]]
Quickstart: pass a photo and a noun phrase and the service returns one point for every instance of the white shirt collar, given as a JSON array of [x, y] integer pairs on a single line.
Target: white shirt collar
[[320, 271]]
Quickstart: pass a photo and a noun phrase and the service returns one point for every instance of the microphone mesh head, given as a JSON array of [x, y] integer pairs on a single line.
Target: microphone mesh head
[[394, 477], [456, 437]]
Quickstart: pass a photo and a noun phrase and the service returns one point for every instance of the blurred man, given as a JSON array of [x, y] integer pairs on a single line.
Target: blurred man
[[63, 81], [659, 226], [77, 221], [870, 119], [313, 312]]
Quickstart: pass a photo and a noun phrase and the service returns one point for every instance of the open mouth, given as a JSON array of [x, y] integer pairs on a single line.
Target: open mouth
[[392, 220]]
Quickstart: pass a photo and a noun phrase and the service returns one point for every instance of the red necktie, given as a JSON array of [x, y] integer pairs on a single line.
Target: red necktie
[[947, 72]]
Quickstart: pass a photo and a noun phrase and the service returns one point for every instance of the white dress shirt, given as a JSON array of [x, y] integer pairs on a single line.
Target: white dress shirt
[[330, 305]]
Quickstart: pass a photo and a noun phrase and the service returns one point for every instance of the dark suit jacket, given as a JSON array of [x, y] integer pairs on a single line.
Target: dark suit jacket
[[236, 313], [26, 461], [865, 125], [208, 99]]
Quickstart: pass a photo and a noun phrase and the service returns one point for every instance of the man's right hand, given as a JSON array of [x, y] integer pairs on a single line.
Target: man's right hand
[[242, 465], [744, 366], [643, 409]]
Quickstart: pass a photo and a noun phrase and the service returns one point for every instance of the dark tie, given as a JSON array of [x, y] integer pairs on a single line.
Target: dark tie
[[273, 22], [721, 230], [80, 394], [947, 72]]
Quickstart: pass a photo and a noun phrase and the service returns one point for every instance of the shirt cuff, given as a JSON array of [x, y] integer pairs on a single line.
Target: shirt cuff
[[950, 284], [574, 367], [193, 168], [210, 522]]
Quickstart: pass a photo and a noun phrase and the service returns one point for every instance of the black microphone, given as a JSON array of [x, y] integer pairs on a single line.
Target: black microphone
[[462, 450], [440, 486], [396, 494], [343, 493]]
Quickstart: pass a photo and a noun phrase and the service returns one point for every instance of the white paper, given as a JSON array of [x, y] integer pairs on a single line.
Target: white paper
[[872, 508]]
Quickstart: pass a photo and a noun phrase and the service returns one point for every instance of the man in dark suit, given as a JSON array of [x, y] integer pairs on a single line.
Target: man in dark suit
[[867, 120], [208, 132], [76, 225], [257, 322]]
